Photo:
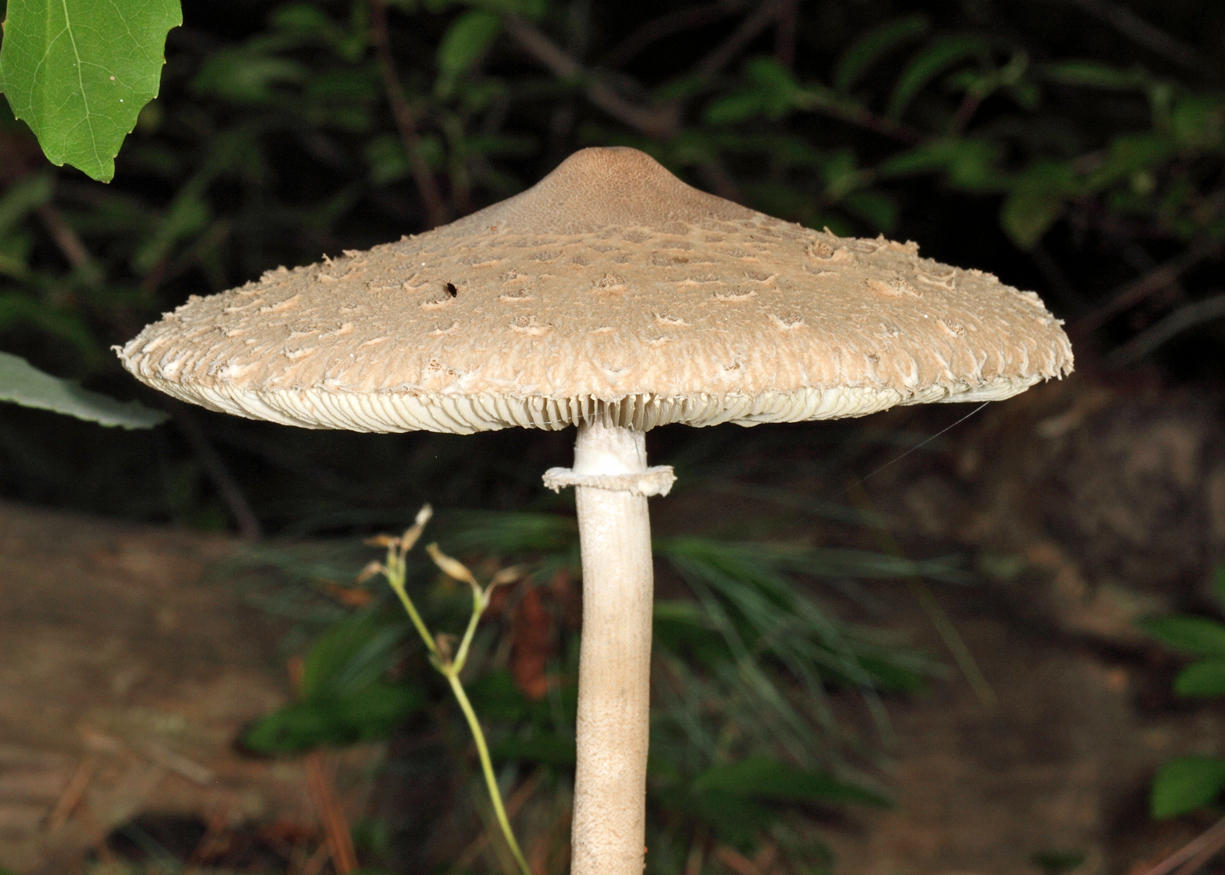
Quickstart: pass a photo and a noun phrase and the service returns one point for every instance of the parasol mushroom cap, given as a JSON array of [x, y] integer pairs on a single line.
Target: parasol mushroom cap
[[608, 290]]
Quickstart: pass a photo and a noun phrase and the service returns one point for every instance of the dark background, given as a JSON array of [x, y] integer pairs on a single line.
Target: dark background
[[1069, 147]]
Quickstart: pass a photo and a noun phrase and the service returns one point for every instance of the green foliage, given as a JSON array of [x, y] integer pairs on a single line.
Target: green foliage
[[752, 615], [344, 695], [466, 40], [875, 45], [930, 61], [1036, 200], [23, 384], [290, 129], [743, 743], [369, 712], [1057, 862], [769, 91], [1185, 784], [1200, 636], [79, 73], [766, 778], [1202, 679], [1041, 166], [738, 801]]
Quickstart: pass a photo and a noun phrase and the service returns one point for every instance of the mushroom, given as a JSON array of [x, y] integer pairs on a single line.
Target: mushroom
[[612, 297]]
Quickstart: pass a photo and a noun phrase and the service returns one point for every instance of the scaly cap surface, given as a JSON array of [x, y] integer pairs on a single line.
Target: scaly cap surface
[[609, 289]]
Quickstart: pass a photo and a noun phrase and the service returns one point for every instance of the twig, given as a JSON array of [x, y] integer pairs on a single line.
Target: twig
[[785, 33], [736, 861], [314, 865], [1185, 317], [662, 27], [214, 839], [336, 831], [715, 175], [217, 471], [179, 764], [1210, 842], [1196, 863], [851, 112], [70, 244], [1055, 277], [754, 23], [1137, 290], [71, 795], [405, 119], [697, 856], [1142, 33], [338, 840], [659, 122]]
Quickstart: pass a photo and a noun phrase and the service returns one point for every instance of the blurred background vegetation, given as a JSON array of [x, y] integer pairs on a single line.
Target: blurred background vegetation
[[1070, 146], [1076, 147]]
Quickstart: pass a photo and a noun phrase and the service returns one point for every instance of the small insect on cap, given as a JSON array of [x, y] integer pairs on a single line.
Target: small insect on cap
[[608, 290]]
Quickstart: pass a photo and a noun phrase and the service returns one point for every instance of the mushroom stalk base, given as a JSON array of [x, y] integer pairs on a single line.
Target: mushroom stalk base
[[612, 482]]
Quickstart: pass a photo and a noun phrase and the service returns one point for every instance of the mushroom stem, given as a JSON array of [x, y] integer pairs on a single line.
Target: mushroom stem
[[612, 483]]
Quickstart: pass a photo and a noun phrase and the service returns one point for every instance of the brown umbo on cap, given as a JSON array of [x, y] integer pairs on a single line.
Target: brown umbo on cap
[[609, 289]]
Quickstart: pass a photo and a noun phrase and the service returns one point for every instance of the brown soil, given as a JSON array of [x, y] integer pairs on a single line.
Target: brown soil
[[1113, 500], [127, 673]]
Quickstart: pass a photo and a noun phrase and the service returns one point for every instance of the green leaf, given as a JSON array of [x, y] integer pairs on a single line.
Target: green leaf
[[24, 195], [928, 63], [1184, 784], [970, 164], [345, 697], [1092, 74], [769, 90], [924, 158], [1130, 154], [22, 383], [78, 72], [1202, 679], [1218, 585], [1197, 121], [736, 820], [734, 108], [769, 779], [681, 626], [873, 46], [354, 653], [549, 749], [841, 173], [249, 73], [1057, 861], [1036, 200], [876, 208], [1197, 635], [889, 674], [370, 712], [60, 325], [309, 23], [465, 41]]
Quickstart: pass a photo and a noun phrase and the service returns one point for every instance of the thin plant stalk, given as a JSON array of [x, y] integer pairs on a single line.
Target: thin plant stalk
[[393, 569]]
